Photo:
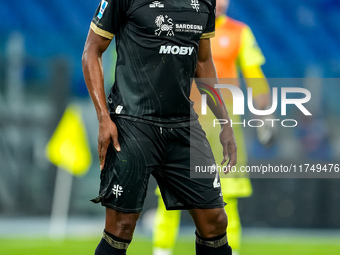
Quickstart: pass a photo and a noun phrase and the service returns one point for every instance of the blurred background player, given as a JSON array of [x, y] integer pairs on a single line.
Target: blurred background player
[[233, 47]]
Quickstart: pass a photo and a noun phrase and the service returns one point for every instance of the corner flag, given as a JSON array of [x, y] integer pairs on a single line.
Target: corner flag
[[69, 147]]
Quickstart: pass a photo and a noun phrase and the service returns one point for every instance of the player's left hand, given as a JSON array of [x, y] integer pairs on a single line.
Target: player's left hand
[[228, 142]]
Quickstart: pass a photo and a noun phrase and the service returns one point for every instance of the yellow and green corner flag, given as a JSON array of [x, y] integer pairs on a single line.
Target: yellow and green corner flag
[[69, 147]]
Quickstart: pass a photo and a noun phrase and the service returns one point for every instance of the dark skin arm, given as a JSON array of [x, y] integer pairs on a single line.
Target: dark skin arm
[[94, 48], [206, 69]]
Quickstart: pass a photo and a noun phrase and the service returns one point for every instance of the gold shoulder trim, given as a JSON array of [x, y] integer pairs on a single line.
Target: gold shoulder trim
[[101, 32], [208, 35]]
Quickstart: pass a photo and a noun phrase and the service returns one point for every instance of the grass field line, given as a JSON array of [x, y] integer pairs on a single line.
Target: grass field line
[[293, 236], [92, 227]]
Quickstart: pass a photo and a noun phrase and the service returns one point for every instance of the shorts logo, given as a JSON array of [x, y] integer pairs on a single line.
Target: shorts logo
[[216, 183], [102, 9], [195, 5], [176, 50], [119, 109], [156, 4], [164, 24], [117, 190]]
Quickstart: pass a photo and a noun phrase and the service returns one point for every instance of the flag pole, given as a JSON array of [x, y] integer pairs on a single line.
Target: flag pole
[[68, 149], [60, 204]]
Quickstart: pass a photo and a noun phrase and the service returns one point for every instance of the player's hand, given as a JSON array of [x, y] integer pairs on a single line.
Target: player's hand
[[228, 142], [266, 134], [107, 132]]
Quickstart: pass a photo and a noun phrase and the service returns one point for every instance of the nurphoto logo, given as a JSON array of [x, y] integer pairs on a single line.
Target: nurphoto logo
[[302, 96]]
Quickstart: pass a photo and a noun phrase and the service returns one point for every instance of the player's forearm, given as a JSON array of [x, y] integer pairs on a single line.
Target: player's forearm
[[206, 69], [94, 79]]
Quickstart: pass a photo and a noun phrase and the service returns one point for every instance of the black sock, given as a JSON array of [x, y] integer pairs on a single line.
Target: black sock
[[111, 245], [213, 246]]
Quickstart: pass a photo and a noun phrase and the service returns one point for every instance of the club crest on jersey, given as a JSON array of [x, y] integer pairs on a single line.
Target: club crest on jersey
[[195, 5], [102, 9], [156, 4], [164, 24]]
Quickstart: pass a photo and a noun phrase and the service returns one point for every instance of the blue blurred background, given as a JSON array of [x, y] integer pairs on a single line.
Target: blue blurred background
[[41, 44]]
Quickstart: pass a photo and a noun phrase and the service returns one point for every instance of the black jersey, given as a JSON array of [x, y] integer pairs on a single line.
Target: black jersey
[[157, 50]]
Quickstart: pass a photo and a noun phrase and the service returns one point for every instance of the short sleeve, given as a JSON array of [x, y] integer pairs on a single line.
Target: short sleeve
[[109, 17], [250, 53], [210, 27]]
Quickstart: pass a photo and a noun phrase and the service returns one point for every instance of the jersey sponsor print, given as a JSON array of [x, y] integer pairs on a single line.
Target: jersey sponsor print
[[157, 50]]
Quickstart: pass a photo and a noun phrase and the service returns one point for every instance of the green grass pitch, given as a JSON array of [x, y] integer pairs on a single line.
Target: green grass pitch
[[141, 246]]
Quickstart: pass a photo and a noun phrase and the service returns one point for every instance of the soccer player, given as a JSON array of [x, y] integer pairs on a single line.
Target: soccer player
[[148, 123], [233, 47]]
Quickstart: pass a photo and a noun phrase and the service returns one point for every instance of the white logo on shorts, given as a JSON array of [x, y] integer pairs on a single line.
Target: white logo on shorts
[[117, 190], [119, 109], [216, 183]]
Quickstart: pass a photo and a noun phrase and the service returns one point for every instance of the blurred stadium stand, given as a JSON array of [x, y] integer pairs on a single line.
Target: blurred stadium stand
[[299, 38]]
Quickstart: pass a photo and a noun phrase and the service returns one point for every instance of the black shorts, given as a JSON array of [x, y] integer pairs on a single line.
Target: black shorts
[[167, 154]]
